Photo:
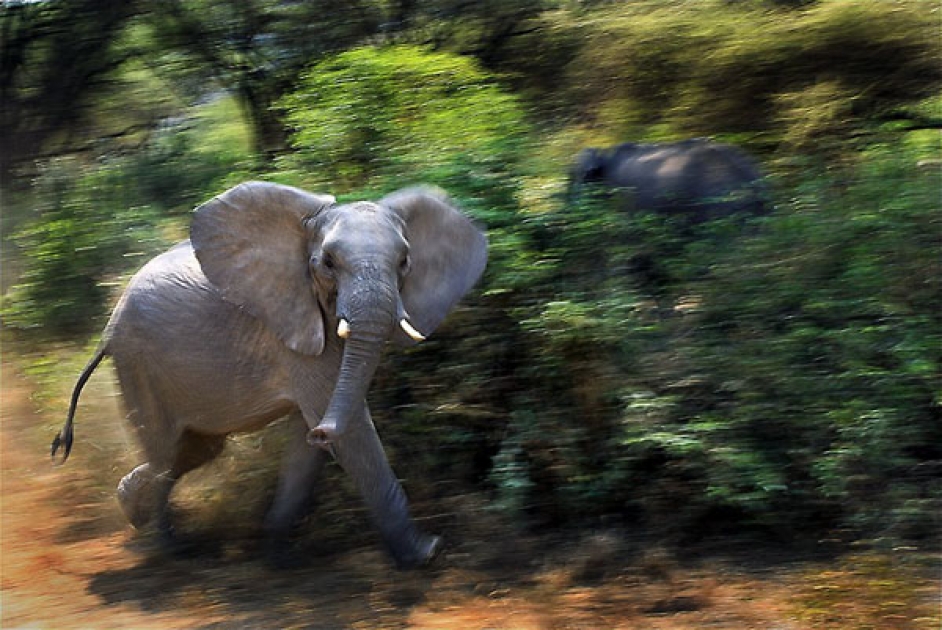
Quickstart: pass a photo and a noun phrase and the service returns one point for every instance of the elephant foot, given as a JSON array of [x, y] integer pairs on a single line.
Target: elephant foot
[[143, 497], [426, 549], [136, 496]]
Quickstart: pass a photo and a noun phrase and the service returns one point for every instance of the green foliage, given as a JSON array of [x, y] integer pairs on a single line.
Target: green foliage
[[87, 224], [834, 319], [403, 113], [701, 68], [95, 223], [254, 49], [190, 159], [780, 373], [55, 57]]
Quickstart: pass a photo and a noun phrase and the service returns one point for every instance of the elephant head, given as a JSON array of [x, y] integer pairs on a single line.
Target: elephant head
[[590, 166], [313, 270]]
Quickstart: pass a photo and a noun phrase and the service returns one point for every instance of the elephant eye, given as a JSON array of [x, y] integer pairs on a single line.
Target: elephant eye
[[322, 264], [405, 264]]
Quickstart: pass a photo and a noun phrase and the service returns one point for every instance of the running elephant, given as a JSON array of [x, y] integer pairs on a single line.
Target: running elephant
[[280, 305], [698, 178]]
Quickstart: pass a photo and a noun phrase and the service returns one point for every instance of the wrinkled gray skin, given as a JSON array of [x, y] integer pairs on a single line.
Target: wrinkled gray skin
[[238, 327], [697, 177]]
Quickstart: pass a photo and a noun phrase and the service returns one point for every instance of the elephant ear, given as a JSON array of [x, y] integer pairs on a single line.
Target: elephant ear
[[252, 245], [447, 251]]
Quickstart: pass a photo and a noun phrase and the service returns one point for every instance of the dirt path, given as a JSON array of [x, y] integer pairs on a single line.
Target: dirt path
[[45, 570], [68, 561]]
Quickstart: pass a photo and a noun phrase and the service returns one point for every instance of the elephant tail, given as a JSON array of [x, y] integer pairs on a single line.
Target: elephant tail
[[66, 435]]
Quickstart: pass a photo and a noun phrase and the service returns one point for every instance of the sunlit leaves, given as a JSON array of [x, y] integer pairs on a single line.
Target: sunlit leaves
[[401, 112]]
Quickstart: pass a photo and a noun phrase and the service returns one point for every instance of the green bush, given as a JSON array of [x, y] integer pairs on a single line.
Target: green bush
[[94, 222], [823, 341], [191, 158], [86, 225], [699, 68], [780, 374], [381, 117]]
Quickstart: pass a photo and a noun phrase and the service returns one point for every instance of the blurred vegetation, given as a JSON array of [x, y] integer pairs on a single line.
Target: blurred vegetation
[[85, 225], [740, 68], [779, 375], [373, 117]]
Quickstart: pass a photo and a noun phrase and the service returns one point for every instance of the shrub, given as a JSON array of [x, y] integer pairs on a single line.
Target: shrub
[[86, 225], [700, 68], [823, 340], [93, 222], [780, 377], [379, 117]]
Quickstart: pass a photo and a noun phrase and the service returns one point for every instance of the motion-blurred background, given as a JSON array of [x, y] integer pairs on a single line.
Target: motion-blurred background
[[774, 377]]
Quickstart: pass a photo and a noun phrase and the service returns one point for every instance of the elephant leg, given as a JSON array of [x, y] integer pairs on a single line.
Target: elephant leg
[[360, 453], [192, 451], [171, 450], [144, 491], [301, 466]]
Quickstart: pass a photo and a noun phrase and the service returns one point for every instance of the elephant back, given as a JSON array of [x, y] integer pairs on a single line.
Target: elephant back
[[697, 176]]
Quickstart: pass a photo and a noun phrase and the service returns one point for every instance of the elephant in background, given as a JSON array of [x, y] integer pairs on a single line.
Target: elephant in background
[[280, 304], [698, 178]]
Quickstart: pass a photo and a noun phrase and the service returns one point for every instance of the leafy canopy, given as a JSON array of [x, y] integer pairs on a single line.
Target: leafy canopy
[[392, 112]]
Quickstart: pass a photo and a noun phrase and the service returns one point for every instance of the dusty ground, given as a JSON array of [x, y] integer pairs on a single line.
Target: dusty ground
[[69, 561]]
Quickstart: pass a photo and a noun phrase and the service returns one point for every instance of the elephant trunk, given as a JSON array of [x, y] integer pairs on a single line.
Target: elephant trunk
[[365, 326], [360, 358]]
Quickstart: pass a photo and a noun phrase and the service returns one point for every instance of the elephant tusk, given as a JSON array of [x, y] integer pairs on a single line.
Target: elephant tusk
[[343, 329], [409, 330]]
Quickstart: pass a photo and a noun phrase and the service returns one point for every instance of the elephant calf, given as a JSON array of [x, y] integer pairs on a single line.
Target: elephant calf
[[279, 305], [697, 177]]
